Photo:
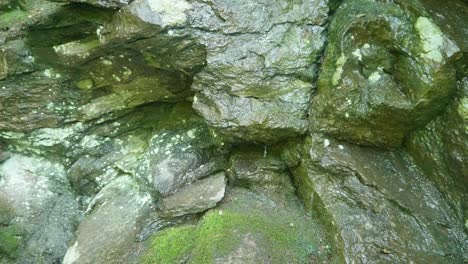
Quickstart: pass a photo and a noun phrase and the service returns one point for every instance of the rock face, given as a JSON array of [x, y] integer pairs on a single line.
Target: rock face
[[382, 214], [259, 92], [387, 71], [216, 131], [270, 100]]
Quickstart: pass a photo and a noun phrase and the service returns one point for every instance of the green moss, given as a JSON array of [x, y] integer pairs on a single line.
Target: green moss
[[85, 84], [218, 235], [9, 242], [13, 17], [171, 245], [463, 108]]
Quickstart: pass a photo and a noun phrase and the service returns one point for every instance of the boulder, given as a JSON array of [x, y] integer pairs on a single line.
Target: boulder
[[381, 205], [39, 210], [194, 198], [388, 70], [108, 233], [180, 156]]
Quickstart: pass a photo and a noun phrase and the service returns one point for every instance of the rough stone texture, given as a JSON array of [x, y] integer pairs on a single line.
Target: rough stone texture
[[450, 18], [194, 198], [270, 99], [248, 227], [441, 150], [384, 208], [33, 101], [39, 210], [387, 71], [259, 92], [108, 234], [130, 107], [180, 156], [260, 169]]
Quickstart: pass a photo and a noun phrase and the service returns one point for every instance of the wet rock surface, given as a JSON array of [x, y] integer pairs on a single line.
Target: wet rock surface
[[186, 131], [388, 71], [365, 193]]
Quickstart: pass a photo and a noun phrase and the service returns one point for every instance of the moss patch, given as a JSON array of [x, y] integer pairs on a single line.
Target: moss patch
[[13, 17], [9, 241], [219, 234], [171, 245]]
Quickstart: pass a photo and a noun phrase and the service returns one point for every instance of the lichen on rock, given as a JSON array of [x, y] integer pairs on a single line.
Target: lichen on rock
[[233, 131], [386, 72]]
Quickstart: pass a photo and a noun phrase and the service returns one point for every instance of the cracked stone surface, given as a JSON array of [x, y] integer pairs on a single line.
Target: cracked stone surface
[[217, 131], [381, 214]]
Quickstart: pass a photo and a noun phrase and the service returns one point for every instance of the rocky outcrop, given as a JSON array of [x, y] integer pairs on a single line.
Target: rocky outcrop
[[382, 203], [217, 131], [270, 101], [388, 70]]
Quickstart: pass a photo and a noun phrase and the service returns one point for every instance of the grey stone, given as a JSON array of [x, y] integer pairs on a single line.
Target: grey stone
[[270, 100], [99, 103], [196, 197], [180, 156], [33, 101], [382, 206], [43, 208], [108, 233], [253, 87], [441, 148]]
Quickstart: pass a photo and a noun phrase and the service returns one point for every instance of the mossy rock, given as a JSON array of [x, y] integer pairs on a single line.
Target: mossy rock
[[172, 245], [10, 241], [219, 236], [374, 87], [243, 230], [12, 17]]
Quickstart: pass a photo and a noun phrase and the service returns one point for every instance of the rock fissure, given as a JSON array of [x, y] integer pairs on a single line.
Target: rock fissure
[[190, 131]]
